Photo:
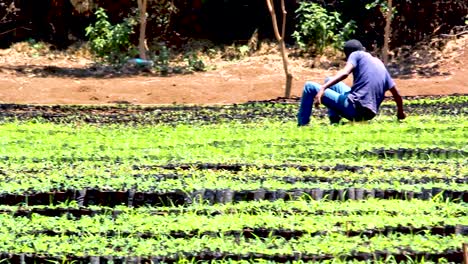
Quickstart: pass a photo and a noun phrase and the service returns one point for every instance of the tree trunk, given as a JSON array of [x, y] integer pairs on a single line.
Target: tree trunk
[[387, 32], [465, 253], [142, 40], [282, 46]]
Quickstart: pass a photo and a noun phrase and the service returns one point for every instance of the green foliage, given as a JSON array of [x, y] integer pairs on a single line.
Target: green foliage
[[244, 50], [111, 43], [317, 28], [159, 17], [382, 5], [300, 180], [194, 62], [33, 48], [37, 45], [162, 58], [167, 61]]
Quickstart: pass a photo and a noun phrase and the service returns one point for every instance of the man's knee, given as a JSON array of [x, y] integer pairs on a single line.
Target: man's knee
[[311, 88]]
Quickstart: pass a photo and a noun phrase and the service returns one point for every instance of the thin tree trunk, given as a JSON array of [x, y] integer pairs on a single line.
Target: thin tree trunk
[[142, 40], [387, 32], [465, 253], [282, 46]]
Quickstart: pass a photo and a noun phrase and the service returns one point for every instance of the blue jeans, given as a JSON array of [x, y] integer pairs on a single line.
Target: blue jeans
[[335, 99]]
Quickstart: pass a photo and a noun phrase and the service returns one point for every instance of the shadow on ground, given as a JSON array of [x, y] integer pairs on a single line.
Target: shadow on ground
[[94, 71], [410, 69], [402, 71], [423, 60]]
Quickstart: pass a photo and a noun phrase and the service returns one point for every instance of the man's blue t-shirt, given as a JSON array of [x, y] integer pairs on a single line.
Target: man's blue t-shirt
[[371, 80]]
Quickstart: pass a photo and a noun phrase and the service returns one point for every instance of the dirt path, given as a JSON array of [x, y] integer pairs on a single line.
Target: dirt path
[[254, 78]]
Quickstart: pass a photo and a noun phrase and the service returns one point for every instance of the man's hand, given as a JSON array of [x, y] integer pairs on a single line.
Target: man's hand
[[399, 102], [318, 97], [343, 74]]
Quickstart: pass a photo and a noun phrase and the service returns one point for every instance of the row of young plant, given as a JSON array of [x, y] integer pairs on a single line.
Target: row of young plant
[[446, 106], [112, 181], [279, 207], [175, 154], [460, 99], [434, 101], [205, 248], [191, 224], [420, 217], [197, 176], [245, 259], [215, 181], [206, 117], [130, 177], [114, 184], [132, 198], [121, 178], [428, 169], [232, 142]]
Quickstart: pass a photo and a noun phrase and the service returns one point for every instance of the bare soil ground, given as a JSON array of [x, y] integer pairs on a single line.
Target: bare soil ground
[[31, 77]]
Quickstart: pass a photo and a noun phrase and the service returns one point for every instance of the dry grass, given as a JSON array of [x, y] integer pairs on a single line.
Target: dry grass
[[436, 56]]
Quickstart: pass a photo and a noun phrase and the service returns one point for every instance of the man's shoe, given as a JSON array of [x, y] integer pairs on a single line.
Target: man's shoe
[[334, 120]]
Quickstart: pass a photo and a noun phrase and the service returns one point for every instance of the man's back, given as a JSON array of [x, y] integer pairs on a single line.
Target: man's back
[[371, 80]]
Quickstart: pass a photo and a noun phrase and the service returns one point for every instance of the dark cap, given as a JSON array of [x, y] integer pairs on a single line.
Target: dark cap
[[351, 46]]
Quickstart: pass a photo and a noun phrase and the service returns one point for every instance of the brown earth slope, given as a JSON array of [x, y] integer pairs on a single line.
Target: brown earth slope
[[49, 79]]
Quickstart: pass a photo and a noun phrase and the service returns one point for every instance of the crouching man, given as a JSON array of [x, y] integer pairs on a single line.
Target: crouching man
[[359, 102]]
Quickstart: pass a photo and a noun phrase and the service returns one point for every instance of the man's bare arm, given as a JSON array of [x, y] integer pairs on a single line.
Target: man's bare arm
[[340, 76], [399, 102]]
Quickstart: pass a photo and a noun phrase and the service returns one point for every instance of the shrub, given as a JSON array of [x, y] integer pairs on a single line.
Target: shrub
[[111, 43], [317, 28], [194, 62]]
